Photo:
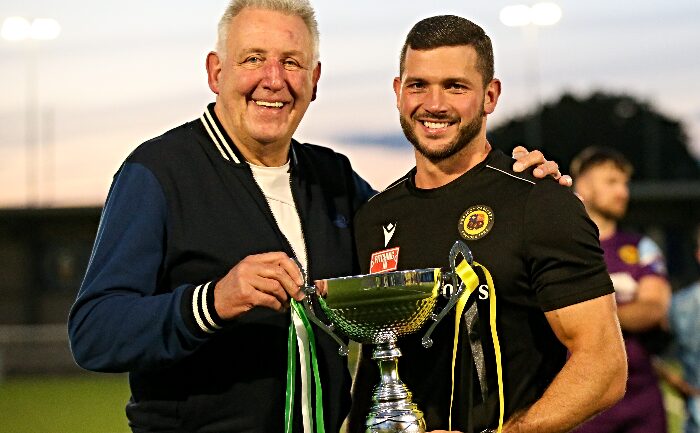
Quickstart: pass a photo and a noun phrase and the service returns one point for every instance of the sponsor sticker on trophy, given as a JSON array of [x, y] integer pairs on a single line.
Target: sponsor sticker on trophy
[[384, 261]]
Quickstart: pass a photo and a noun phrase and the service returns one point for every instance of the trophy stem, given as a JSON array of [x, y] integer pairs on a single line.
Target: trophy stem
[[392, 408]]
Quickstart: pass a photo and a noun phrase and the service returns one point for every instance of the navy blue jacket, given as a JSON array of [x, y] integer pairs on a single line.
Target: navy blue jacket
[[182, 210]]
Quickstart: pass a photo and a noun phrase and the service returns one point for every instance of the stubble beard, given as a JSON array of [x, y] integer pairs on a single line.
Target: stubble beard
[[611, 213], [464, 137]]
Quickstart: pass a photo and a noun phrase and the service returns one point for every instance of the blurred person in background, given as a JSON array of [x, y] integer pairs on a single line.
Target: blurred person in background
[[643, 294], [190, 280], [684, 320]]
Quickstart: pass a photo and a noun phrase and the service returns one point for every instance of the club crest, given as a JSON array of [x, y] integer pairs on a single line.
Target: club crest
[[476, 222]]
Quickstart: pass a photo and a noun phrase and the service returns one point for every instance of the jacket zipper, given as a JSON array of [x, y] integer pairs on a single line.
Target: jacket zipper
[[305, 272]]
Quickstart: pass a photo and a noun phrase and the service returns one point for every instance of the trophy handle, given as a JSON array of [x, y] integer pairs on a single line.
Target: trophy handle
[[458, 248], [309, 291], [328, 329]]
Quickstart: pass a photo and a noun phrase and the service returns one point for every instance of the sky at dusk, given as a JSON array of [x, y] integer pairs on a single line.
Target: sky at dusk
[[124, 71]]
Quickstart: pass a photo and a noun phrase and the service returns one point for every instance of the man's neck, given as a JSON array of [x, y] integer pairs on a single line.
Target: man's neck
[[606, 226], [431, 175], [265, 154]]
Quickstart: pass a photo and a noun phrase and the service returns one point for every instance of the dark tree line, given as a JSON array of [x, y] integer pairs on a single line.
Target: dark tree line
[[656, 145]]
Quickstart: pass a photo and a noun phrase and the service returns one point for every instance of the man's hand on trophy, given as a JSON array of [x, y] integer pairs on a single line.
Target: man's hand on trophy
[[265, 280], [525, 159], [321, 287]]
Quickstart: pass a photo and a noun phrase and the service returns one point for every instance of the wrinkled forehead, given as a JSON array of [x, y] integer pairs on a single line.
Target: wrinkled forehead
[[269, 30]]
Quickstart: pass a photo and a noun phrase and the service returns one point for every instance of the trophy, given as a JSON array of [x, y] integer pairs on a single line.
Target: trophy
[[378, 309]]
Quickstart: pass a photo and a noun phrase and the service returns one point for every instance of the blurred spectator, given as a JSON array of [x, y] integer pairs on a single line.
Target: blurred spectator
[[684, 319], [643, 294]]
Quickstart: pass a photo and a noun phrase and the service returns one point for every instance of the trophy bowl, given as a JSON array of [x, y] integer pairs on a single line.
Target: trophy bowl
[[378, 309]]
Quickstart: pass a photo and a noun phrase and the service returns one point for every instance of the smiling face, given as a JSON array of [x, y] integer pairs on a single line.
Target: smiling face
[[265, 80], [443, 101]]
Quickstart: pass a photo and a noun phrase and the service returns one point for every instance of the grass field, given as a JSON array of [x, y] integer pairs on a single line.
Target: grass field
[[94, 403], [81, 404]]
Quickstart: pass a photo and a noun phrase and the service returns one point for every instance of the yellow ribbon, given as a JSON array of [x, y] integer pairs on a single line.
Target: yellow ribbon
[[471, 282]]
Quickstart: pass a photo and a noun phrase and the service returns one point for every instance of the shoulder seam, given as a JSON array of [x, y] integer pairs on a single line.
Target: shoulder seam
[[510, 174], [392, 186]]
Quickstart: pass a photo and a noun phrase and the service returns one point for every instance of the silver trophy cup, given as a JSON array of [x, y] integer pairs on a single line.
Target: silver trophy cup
[[378, 309]]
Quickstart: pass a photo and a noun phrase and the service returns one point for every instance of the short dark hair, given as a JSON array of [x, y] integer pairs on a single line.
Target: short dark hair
[[450, 31], [594, 156]]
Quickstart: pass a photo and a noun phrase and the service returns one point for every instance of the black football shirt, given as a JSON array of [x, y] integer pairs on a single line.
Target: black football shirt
[[542, 250]]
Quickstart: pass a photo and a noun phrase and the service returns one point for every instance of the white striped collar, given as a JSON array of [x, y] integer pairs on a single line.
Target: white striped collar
[[218, 136], [223, 142]]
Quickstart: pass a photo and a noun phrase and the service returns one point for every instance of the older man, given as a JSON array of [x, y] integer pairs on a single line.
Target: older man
[[539, 347], [205, 343], [190, 281]]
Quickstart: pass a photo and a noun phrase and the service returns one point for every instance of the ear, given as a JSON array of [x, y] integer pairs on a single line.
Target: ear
[[316, 76], [213, 71], [491, 94], [397, 90]]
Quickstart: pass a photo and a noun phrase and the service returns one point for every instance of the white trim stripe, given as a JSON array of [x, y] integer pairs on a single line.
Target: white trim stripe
[[213, 138], [195, 310], [392, 186], [221, 137], [511, 175], [205, 307]]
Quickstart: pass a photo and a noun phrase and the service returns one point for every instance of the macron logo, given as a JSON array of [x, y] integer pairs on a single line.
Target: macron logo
[[384, 261], [389, 230]]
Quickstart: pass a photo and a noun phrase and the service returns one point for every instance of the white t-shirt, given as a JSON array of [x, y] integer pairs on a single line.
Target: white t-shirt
[[275, 185]]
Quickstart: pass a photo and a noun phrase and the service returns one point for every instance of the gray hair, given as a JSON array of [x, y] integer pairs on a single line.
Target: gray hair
[[299, 8]]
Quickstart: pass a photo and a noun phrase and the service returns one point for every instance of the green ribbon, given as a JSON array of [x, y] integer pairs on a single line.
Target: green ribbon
[[310, 352], [291, 376]]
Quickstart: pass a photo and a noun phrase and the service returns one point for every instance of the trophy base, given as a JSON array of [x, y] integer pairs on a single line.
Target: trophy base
[[392, 411]]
